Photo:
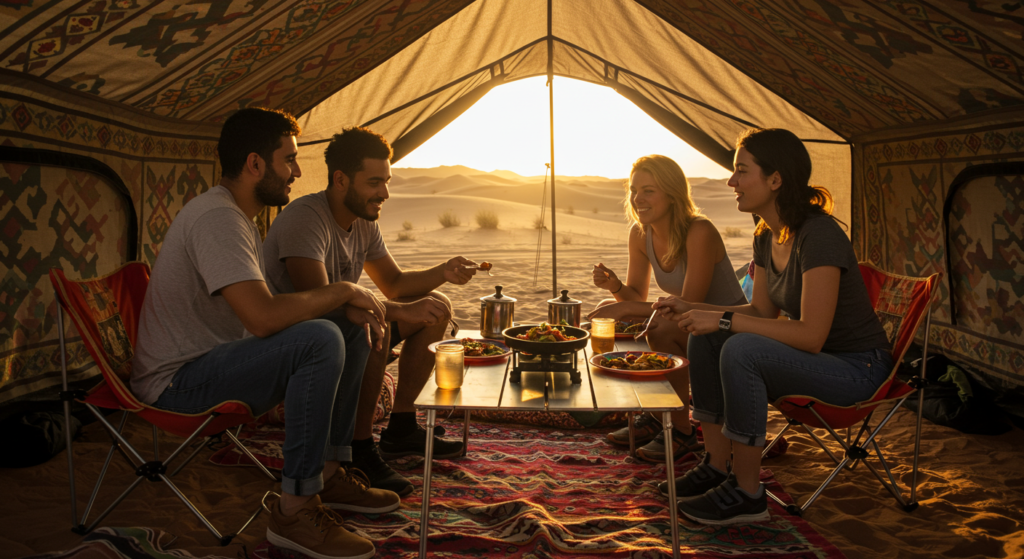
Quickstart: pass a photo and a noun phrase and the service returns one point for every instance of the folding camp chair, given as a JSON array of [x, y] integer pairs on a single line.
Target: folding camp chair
[[900, 303], [106, 312]]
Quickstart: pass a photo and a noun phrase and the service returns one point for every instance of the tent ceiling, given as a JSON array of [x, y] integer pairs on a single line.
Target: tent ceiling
[[852, 66]]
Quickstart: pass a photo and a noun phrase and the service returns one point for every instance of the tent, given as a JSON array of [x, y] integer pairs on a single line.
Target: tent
[[912, 112]]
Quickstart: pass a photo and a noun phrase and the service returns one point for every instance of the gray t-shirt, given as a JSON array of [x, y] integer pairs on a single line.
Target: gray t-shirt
[[211, 244], [307, 229], [725, 290], [821, 242]]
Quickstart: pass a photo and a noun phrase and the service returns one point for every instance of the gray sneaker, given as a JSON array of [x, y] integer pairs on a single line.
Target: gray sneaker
[[645, 428], [654, 451]]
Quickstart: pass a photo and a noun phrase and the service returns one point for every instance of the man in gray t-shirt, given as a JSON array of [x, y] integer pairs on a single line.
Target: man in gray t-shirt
[[211, 332], [332, 236]]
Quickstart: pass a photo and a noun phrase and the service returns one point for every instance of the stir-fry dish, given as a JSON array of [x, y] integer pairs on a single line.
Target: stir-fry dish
[[480, 349], [545, 332], [623, 327], [639, 362]]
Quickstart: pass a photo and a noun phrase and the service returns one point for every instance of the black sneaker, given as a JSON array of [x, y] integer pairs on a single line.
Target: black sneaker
[[696, 481], [415, 444], [380, 474], [645, 428], [726, 504]]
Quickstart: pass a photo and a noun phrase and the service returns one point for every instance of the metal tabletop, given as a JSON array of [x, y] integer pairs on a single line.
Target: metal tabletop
[[488, 387]]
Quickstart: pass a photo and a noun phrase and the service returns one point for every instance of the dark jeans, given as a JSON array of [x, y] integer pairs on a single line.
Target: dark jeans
[[734, 376], [315, 367]]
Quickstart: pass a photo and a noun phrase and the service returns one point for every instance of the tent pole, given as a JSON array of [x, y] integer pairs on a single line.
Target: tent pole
[[551, 117]]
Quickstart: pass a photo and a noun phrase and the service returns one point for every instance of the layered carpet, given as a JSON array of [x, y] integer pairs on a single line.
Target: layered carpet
[[529, 492]]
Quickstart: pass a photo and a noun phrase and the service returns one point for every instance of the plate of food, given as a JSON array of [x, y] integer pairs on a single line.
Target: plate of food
[[639, 363], [546, 339], [628, 329], [479, 351]]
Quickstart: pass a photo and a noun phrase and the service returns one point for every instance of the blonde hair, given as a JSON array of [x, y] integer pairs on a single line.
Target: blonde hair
[[669, 177]]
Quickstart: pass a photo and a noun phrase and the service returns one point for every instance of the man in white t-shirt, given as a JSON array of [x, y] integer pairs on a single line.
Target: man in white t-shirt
[[332, 236], [211, 332]]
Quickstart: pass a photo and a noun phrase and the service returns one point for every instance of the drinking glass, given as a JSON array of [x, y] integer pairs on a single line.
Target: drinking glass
[[602, 335], [449, 367]]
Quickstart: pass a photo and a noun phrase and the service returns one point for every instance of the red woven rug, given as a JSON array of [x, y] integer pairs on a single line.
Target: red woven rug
[[529, 492]]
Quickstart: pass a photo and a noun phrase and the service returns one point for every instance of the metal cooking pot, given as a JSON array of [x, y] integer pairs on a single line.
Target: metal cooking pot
[[565, 308], [496, 313]]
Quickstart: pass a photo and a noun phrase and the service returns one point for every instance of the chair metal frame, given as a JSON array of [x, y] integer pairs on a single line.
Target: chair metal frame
[[857, 449], [155, 470]]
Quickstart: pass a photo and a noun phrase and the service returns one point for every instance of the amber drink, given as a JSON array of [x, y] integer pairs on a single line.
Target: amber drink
[[602, 335], [449, 367]]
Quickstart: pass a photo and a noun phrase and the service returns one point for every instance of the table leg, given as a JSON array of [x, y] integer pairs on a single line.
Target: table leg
[[632, 435], [465, 434], [428, 456], [666, 422]]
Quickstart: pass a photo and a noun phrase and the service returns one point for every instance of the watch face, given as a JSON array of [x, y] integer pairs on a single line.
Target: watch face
[[724, 324]]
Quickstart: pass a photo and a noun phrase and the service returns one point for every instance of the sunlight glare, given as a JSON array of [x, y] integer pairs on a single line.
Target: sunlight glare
[[597, 132]]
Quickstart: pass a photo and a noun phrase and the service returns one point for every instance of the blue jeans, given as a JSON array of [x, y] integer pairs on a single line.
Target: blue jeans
[[315, 367], [734, 376]]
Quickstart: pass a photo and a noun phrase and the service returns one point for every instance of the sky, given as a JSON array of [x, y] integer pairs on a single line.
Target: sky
[[597, 132]]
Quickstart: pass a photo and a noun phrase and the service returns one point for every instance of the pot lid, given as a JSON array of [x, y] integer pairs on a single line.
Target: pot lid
[[498, 297], [564, 299]]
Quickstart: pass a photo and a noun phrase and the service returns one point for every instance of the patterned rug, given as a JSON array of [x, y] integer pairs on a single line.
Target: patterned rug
[[124, 543], [529, 492]]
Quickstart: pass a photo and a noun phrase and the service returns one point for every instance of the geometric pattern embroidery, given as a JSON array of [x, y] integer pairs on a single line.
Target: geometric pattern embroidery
[[89, 219]]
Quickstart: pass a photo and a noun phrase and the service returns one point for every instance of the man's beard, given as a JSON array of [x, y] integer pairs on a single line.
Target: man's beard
[[271, 190], [358, 206]]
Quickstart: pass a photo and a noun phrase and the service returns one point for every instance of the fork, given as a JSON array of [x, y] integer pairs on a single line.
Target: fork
[[646, 327]]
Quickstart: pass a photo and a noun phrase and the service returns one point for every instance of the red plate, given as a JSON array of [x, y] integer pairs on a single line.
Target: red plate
[[678, 363], [469, 360]]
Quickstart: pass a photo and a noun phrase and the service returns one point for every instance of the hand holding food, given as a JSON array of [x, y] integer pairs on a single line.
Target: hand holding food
[[459, 270]]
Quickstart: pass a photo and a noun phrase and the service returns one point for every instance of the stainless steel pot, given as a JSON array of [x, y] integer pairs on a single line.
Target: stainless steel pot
[[565, 308], [496, 314]]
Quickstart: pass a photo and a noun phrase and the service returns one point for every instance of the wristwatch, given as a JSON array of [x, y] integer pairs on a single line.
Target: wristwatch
[[725, 323]]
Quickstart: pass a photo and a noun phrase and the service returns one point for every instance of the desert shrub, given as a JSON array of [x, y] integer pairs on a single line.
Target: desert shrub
[[570, 210], [595, 210], [538, 223], [487, 219], [449, 219], [406, 235], [733, 232], [567, 239], [407, 225]]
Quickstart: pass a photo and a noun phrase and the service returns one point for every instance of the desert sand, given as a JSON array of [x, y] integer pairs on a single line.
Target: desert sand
[[971, 488]]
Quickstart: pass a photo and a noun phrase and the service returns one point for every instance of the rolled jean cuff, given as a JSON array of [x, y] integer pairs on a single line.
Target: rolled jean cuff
[[338, 453], [708, 417], [749, 440], [302, 487]]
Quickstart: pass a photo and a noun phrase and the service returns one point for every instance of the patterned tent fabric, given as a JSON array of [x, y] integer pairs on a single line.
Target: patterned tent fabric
[[894, 99]]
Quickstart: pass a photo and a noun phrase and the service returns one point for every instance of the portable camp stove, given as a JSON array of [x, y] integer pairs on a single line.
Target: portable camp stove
[[547, 362]]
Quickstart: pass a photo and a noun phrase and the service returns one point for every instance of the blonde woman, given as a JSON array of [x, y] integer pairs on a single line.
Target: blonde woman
[[670, 237]]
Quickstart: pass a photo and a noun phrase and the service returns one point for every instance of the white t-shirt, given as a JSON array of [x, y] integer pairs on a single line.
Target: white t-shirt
[[307, 229], [211, 244]]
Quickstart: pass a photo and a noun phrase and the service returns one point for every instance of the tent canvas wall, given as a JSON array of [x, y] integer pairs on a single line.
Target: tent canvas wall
[[894, 101]]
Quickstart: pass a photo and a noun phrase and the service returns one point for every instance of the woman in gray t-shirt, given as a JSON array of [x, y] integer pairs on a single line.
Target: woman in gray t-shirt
[[670, 237], [832, 348]]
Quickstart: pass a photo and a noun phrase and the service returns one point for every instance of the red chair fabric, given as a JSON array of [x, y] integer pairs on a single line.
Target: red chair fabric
[[106, 312], [901, 303]]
